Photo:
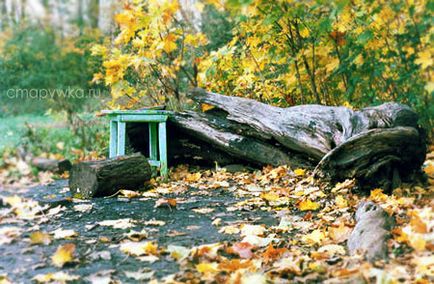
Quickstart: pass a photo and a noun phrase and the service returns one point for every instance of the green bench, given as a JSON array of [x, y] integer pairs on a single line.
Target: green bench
[[156, 120]]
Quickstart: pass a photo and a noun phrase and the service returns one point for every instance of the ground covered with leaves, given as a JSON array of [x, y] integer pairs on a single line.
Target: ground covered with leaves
[[212, 226]]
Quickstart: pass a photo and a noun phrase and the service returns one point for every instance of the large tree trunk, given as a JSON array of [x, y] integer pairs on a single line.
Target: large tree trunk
[[373, 144]]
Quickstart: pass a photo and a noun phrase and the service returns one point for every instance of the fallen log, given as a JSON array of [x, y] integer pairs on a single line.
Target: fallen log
[[52, 165], [371, 232], [377, 155], [106, 177], [372, 144]]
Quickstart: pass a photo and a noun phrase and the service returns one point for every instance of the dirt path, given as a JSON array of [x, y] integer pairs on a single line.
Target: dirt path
[[21, 261]]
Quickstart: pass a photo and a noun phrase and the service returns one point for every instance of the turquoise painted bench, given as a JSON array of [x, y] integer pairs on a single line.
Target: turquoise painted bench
[[156, 120]]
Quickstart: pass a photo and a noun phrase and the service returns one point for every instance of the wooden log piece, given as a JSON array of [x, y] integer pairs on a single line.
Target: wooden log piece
[[104, 178], [52, 165]]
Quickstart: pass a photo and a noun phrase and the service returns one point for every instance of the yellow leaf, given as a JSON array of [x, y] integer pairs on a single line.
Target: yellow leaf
[[63, 254], [299, 172], [341, 202], [193, 177], [270, 196], [304, 32], [207, 268], [308, 205], [206, 107], [169, 43], [40, 238], [378, 195], [316, 237], [424, 59]]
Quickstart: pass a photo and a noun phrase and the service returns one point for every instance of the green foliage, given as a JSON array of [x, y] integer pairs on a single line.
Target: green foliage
[[40, 68]]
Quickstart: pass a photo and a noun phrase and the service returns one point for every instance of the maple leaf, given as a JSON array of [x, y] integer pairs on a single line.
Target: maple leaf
[[64, 254], [272, 253], [308, 205]]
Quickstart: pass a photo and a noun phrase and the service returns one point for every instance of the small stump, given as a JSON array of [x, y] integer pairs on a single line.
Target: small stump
[[106, 177]]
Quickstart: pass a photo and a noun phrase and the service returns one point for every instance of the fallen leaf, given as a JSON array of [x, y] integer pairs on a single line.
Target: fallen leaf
[[299, 172], [38, 237], [139, 248], [64, 254], [339, 234], [332, 249], [139, 275], [230, 230], [341, 202], [203, 210], [315, 237], [234, 264], [118, 224], [64, 234], [308, 205], [165, 202], [256, 230], [129, 193], [58, 277], [136, 236], [154, 223], [207, 268], [178, 253], [194, 177], [243, 249], [84, 208], [271, 254]]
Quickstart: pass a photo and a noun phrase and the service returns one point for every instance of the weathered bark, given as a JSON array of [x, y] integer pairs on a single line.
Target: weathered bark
[[104, 178], [372, 144], [52, 165], [371, 232], [377, 154]]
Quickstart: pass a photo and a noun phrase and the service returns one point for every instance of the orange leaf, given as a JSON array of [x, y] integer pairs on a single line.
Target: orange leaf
[[273, 253]]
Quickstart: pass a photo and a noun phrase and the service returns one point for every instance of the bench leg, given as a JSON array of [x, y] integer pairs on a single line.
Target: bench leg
[[121, 139], [113, 150], [163, 149], [153, 141]]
